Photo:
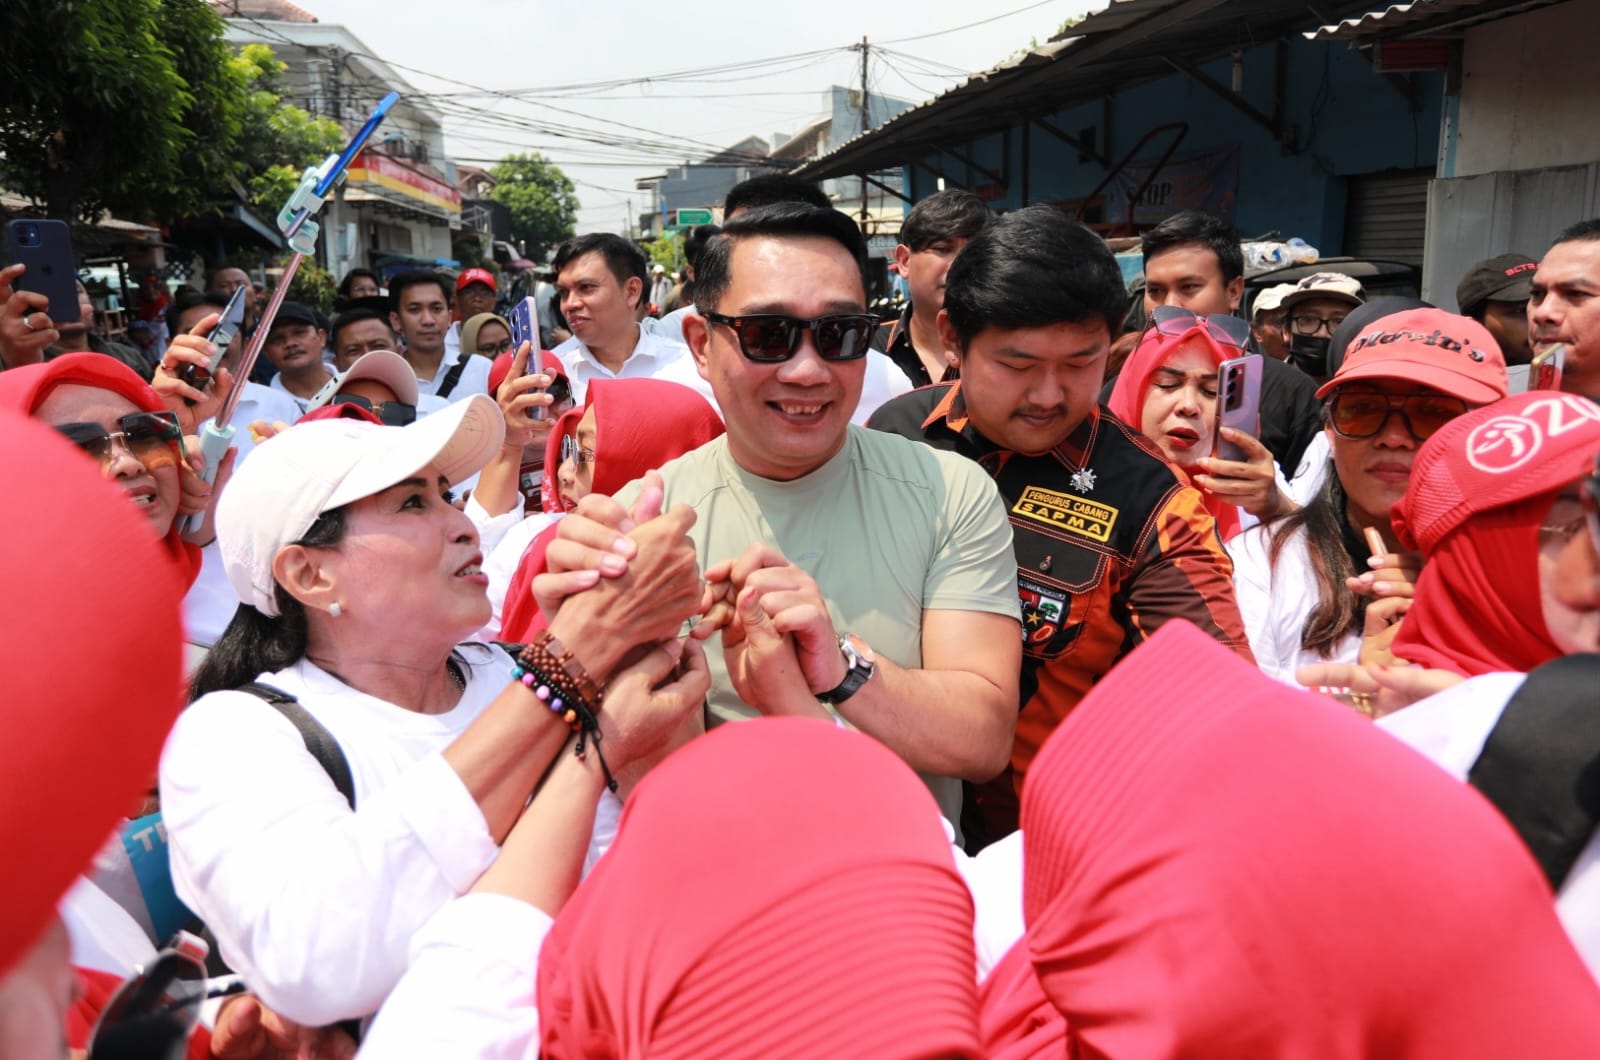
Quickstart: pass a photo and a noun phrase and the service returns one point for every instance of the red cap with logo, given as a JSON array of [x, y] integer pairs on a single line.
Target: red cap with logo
[[1452, 354], [472, 276]]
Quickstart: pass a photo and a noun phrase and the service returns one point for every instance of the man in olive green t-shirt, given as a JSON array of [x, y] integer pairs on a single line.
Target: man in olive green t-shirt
[[860, 576]]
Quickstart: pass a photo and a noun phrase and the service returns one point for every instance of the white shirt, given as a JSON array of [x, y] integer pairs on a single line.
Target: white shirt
[[1276, 602], [883, 380], [474, 377], [315, 905], [650, 355], [1450, 729], [671, 325], [1307, 481], [302, 403]]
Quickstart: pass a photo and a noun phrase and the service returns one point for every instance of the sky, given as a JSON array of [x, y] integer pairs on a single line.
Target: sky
[[573, 55]]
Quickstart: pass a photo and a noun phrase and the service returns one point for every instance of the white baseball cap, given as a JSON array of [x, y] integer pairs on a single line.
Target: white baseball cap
[[1334, 285], [311, 468], [381, 366], [1271, 298]]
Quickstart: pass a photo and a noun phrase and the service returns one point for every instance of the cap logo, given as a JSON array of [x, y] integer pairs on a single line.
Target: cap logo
[[1517, 270], [1437, 338], [1507, 442]]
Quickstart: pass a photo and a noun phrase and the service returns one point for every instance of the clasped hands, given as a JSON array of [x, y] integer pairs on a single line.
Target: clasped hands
[[778, 639]]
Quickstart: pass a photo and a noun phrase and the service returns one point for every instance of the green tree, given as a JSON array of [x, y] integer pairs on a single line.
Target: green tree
[[542, 201], [313, 286], [667, 251], [278, 141]]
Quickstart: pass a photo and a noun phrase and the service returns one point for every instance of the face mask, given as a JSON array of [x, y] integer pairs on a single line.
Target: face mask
[[1309, 353]]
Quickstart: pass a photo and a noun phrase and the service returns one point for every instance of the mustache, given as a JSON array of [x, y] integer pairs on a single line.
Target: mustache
[[1036, 412]]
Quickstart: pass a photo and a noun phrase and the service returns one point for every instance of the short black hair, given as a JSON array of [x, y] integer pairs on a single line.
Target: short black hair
[[695, 244], [768, 189], [714, 273], [950, 214], [1197, 226], [416, 278], [352, 276], [186, 299], [1033, 268], [1583, 231], [354, 316], [624, 259]]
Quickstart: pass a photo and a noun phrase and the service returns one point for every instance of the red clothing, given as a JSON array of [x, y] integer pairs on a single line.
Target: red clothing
[[1132, 387], [1240, 869], [1479, 490], [24, 389], [808, 907], [90, 662], [639, 424]]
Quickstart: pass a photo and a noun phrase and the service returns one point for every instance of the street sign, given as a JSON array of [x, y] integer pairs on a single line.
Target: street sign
[[689, 218]]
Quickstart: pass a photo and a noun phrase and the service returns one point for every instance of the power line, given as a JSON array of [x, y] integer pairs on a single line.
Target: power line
[[969, 25]]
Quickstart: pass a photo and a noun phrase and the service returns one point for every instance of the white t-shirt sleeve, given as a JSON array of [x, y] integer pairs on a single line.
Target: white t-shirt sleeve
[[313, 904], [994, 877], [883, 380], [1274, 642], [471, 990], [492, 528]]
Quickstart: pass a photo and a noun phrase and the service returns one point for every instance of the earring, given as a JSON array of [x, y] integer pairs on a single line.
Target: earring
[[334, 610]]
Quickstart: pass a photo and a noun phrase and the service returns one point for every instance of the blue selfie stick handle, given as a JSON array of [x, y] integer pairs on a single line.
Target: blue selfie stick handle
[[214, 442], [318, 181]]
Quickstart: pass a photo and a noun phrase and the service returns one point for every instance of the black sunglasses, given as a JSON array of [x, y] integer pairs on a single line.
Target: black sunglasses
[[770, 338], [149, 1017], [144, 434], [392, 413], [1171, 321]]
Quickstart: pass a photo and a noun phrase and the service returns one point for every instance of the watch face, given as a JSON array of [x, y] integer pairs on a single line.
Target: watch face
[[861, 648]]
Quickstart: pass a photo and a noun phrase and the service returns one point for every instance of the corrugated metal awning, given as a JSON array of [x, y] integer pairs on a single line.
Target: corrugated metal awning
[[1127, 43], [1425, 18]]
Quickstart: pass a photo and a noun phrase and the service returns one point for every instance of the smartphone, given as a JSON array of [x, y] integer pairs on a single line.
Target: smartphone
[[199, 376], [45, 247], [1238, 402], [1544, 372], [524, 320]]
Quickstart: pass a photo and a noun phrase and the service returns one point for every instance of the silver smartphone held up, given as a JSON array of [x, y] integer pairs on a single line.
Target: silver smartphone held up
[[1238, 402], [525, 328]]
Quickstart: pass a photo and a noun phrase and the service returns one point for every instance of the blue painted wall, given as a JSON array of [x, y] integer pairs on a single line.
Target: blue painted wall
[[1350, 121]]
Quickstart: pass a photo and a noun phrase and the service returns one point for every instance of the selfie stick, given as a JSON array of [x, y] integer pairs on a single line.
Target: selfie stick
[[300, 232]]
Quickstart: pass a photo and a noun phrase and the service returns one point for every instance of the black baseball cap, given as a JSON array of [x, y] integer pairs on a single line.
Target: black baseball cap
[[297, 313], [1504, 278]]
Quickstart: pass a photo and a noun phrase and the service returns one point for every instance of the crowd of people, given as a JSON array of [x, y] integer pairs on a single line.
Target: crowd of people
[[758, 677]]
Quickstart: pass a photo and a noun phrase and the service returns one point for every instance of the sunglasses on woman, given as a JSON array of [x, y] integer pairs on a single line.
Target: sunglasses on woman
[[770, 338], [392, 413], [1589, 497], [145, 435], [1363, 415], [570, 450], [1171, 321]]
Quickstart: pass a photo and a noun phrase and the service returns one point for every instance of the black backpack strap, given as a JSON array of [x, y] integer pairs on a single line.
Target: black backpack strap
[[1541, 763], [453, 376], [319, 741]]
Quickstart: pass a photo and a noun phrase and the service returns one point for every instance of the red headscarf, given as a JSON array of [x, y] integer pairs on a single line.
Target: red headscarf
[[1132, 388], [1479, 489], [1246, 870], [639, 424], [91, 655], [24, 390], [811, 908]]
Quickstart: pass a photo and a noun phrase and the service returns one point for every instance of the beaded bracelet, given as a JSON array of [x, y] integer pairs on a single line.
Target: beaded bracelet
[[548, 654], [563, 701]]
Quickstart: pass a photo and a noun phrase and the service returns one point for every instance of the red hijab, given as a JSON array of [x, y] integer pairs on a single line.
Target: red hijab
[[91, 658], [639, 424], [25, 389], [1246, 870], [1479, 490], [1132, 388], [810, 907]]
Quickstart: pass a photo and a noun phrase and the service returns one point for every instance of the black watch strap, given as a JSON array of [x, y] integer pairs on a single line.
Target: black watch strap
[[858, 674]]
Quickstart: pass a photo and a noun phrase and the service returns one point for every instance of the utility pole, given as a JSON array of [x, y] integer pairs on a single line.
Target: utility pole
[[865, 125]]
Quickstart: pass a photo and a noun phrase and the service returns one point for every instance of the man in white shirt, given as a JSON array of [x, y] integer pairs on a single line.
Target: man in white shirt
[[294, 346], [600, 279], [419, 310]]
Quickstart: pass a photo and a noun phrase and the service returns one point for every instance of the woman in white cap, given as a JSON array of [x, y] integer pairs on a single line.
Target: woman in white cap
[[358, 579]]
